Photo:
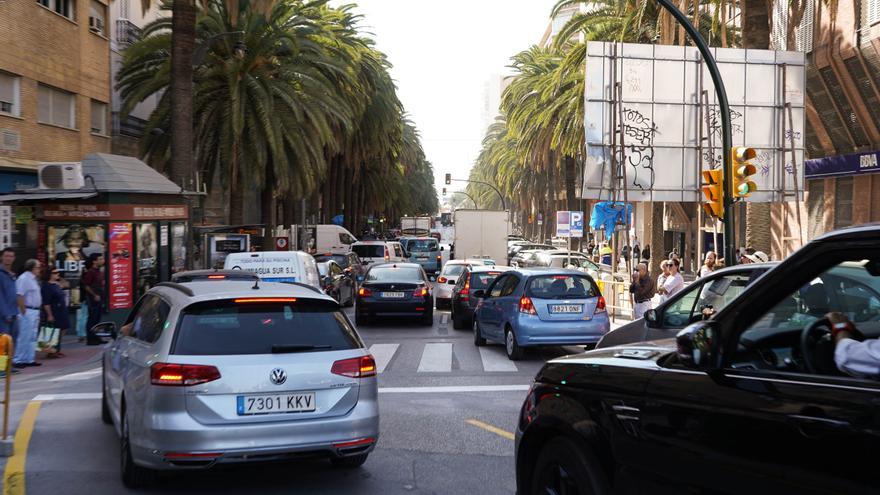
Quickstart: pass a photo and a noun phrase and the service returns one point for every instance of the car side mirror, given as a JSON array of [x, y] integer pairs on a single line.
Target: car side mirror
[[696, 344], [105, 329], [652, 318], [441, 248], [480, 294]]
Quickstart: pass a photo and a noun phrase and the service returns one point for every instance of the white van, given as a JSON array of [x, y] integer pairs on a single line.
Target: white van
[[379, 251], [329, 238], [277, 266]]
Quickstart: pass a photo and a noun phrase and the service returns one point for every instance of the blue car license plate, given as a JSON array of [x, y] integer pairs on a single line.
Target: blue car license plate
[[566, 308]]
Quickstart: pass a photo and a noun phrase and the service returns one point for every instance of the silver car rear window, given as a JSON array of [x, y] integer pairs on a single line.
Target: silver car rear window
[[251, 326]]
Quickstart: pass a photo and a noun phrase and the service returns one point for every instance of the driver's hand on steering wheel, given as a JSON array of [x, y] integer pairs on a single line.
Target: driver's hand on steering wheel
[[839, 320]]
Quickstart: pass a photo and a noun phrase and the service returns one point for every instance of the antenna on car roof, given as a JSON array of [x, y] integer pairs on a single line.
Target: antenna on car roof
[[256, 284]]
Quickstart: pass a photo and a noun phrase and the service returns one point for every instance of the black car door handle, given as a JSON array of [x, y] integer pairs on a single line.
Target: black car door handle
[[817, 426]]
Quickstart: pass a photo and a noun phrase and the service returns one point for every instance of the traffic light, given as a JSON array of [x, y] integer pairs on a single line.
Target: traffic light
[[742, 171], [448, 179], [713, 189], [444, 191]]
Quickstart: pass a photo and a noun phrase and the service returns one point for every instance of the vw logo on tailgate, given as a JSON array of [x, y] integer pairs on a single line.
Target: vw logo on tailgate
[[278, 376]]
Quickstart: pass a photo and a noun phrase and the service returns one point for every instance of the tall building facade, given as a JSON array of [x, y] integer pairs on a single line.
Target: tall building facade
[[55, 88]]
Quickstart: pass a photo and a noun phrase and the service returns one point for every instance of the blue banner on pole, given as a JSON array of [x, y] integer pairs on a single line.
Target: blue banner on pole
[[338, 219]]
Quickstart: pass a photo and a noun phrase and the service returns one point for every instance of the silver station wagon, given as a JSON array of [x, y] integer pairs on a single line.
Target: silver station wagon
[[222, 372]]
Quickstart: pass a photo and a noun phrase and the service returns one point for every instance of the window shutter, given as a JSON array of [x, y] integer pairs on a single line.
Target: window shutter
[[44, 104]]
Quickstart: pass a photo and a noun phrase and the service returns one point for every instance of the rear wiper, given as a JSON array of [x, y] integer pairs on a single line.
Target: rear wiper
[[283, 348]]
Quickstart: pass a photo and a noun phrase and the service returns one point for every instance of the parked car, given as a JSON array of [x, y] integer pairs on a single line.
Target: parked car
[[473, 278], [527, 258], [686, 415], [201, 275], [337, 284], [349, 262], [543, 306], [714, 291], [400, 289], [206, 374], [379, 251], [512, 251], [277, 266]]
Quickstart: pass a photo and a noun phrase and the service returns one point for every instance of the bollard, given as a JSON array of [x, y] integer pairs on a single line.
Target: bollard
[[6, 352]]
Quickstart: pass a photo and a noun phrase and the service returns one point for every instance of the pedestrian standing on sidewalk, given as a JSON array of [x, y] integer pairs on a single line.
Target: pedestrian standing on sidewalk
[[661, 279], [8, 296], [674, 281], [30, 301], [708, 264], [642, 289], [605, 253], [93, 287], [55, 308]]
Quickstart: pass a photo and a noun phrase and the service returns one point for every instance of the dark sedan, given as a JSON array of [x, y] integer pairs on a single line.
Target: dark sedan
[[349, 262], [462, 302], [337, 283], [710, 293], [399, 289]]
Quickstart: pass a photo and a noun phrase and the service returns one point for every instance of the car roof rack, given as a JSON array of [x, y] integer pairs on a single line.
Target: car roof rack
[[300, 284], [174, 285]]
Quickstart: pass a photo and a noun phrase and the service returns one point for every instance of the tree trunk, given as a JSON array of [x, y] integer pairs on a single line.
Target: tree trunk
[[267, 197], [347, 204], [183, 39], [236, 192], [756, 24]]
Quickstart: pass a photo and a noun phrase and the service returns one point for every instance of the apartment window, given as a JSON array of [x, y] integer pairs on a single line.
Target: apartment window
[[99, 117], [56, 107], [10, 94], [843, 199], [97, 17], [62, 7], [870, 13]]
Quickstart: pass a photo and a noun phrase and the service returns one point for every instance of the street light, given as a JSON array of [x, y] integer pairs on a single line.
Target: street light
[[449, 180], [469, 197]]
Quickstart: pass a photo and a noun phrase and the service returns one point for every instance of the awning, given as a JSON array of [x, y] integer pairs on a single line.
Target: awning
[[43, 196]]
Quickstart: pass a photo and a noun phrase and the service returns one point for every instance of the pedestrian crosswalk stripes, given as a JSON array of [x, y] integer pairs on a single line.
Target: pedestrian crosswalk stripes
[[494, 359], [436, 357], [383, 353]]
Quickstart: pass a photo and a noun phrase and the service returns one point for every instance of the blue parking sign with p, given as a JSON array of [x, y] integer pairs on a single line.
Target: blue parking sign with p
[[577, 224]]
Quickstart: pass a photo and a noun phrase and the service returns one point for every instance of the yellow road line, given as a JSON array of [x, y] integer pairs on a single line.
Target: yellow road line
[[486, 426], [13, 477]]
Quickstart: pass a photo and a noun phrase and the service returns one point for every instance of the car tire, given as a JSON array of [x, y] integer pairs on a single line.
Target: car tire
[[457, 324], [511, 346], [479, 341], [563, 467], [350, 301], [133, 476], [428, 318], [350, 462], [106, 418]]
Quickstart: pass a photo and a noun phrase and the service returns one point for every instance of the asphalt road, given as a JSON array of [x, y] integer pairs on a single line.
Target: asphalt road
[[454, 440]]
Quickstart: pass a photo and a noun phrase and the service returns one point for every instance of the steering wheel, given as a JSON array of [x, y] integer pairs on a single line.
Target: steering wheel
[[817, 347]]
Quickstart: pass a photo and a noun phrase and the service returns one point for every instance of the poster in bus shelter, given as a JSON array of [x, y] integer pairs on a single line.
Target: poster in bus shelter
[[120, 266], [68, 247]]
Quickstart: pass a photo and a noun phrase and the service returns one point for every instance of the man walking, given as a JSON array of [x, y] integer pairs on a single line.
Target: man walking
[[30, 300], [8, 296], [93, 292], [642, 289]]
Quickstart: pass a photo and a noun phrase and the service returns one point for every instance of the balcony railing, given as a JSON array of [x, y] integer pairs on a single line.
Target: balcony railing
[[127, 32]]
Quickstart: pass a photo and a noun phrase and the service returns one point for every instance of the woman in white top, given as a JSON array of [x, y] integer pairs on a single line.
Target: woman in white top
[[708, 264]]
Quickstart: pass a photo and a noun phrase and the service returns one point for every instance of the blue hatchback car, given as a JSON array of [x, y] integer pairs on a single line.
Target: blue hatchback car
[[540, 306]]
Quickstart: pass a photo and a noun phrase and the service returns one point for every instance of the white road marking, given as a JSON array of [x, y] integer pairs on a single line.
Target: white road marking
[[437, 356], [85, 396], [82, 375], [494, 359], [383, 354], [444, 319], [453, 389]]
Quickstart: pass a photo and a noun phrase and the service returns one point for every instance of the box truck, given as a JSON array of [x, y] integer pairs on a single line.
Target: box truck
[[481, 234], [415, 226]]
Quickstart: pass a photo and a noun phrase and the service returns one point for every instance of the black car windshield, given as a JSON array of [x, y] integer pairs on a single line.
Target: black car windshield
[[240, 326], [369, 250], [561, 287], [483, 279], [421, 245], [395, 274], [341, 259]]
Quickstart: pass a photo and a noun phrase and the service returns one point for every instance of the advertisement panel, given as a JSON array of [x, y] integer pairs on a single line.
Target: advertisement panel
[[68, 246], [563, 223], [119, 266], [178, 247], [646, 103], [147, 263]]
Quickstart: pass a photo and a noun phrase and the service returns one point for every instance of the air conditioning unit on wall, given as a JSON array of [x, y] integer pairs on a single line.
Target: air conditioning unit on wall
[[96, 25], [63, 175]]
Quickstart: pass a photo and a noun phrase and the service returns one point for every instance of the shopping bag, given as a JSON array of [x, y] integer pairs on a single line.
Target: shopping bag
[[47, 338]]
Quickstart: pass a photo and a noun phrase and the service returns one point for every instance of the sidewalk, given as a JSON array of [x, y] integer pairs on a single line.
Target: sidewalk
[[75, 354]]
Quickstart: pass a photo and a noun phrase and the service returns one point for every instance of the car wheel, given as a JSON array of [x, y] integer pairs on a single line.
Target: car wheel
[[349, 462], [479, 341], [350, 301], [514, 351], [562, 467], [133, 476], [105, 409], [428, 318]]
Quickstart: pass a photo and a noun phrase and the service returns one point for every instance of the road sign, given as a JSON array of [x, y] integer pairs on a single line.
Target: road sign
[[576, 228], [540, 219], [569, 224], [282, 244]]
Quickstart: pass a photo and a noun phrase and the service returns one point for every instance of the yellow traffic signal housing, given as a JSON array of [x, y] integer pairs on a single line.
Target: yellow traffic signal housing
[[742, 172], [713, 189]]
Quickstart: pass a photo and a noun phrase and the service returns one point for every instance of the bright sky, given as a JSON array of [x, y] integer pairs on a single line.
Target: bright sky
[[445, 53]]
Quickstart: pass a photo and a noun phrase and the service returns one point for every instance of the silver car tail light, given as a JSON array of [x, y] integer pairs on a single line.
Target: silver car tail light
[[359, 367], [182, 375]]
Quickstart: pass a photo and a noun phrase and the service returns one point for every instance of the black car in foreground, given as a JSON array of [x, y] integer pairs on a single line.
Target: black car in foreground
[[463, 302], [398, 289], [749, 401]]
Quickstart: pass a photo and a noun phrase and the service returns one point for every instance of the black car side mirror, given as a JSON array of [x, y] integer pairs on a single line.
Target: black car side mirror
[[480, 294], [652, 318], [696, 344]]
